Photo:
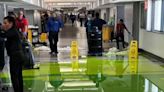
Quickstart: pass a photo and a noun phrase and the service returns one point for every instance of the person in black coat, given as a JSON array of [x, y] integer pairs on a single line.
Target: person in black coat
[[73, 18], [97, 22], [14, 50], [2, 59]]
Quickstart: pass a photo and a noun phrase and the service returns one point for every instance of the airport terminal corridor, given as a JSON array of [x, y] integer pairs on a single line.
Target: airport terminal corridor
[[81, 46], [91, 73]]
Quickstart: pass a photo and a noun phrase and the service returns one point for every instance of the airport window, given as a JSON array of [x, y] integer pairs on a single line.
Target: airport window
[[149, 16], [154, 16], [100, 2], [162, 25], [157, 15], [143, 19]]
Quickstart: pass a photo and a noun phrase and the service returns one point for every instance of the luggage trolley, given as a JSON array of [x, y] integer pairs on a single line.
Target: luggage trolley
[[95, 42]]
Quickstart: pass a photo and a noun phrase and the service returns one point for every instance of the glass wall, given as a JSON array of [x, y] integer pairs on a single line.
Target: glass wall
[[154, 16], [143, 19]]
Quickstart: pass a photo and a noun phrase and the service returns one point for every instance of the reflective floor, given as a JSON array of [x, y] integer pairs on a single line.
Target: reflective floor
[[91, 74]]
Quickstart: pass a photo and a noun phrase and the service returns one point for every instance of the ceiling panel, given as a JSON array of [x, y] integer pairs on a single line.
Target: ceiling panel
[[68, 1], [24, 5]]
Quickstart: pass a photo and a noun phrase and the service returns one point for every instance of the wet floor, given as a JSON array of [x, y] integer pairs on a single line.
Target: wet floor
[[90, 74]]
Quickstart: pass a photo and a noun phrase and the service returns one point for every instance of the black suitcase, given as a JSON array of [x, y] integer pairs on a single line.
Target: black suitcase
[[29, 58]]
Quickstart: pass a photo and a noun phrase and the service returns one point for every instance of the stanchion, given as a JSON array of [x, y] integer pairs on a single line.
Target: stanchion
[[74, 56]]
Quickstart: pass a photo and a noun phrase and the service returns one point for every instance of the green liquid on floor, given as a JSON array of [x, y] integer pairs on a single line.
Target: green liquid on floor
[[95, 74]]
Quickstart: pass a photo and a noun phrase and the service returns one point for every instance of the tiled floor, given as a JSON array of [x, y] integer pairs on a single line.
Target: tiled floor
[[90, 74]]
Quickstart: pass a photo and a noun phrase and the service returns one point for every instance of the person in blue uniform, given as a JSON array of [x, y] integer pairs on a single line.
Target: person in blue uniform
[[15, 52], [53, 27]]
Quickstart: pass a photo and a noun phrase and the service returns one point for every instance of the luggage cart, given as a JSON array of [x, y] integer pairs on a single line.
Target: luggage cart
[[95, 42]]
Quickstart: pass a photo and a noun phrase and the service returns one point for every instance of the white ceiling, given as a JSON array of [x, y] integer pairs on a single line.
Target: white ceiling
[[20, 4], [68, 3]]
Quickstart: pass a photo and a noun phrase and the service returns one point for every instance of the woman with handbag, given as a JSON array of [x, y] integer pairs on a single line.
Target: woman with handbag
[[14, 50]]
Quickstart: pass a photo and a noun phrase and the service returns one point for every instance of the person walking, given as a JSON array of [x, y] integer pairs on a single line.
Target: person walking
[[73, 18], [22, 23], [81, 17], [14, 50], [120, 33], [53, 27]]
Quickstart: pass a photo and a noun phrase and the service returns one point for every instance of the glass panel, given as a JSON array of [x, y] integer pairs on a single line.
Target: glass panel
[[157, 15]]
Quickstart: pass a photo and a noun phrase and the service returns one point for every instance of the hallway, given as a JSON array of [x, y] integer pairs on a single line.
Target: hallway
[[90, 74]]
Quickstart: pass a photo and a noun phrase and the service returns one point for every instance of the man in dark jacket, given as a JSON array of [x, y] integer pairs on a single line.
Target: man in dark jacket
[[97, 22], [73, 18]]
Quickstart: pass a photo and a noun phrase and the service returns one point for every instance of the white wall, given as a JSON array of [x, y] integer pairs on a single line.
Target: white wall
[[1, 14], [37, 19], [35, 2], [112, 11], [103, 11], [152, 42], [3, 11], [128, 18], [30, 16]]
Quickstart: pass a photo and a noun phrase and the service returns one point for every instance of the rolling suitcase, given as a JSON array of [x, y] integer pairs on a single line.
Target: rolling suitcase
[[29, 57]]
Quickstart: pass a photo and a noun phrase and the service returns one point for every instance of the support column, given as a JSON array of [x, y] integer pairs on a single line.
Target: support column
[[136, 26], [3, 10]]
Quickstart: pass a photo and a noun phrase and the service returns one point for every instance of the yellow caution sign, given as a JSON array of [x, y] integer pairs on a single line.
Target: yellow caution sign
[[74, 56], [30, 35], [43, 37], [133, 57], [133, 67], [75, 65], [74, 50], [106, 33], [133, 52]]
